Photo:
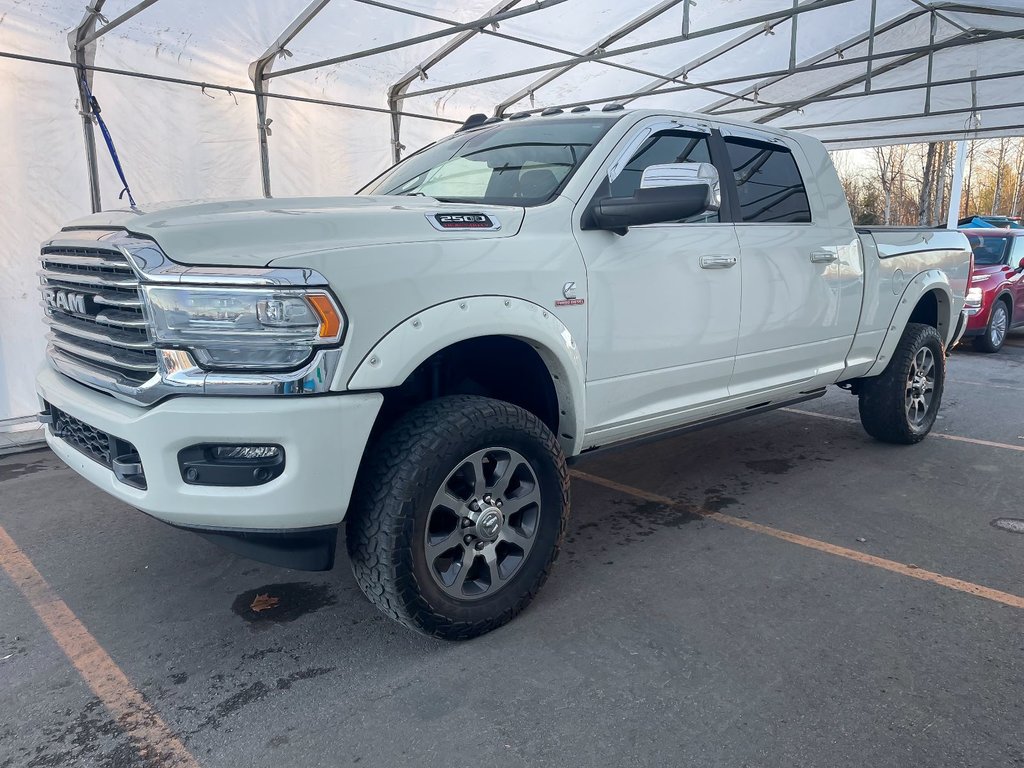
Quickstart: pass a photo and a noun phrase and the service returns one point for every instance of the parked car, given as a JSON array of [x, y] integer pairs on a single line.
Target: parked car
[[995, 300], [420, 361], [982, 222]]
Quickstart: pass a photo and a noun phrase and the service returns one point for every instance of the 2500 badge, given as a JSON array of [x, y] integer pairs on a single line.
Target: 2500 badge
[[447, 221]]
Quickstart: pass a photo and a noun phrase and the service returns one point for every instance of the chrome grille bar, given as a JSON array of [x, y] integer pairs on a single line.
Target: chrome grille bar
[[120, 319], [74, 261], [115, 300], [75, 279], [121, 359], [94, 311], [92, 331]]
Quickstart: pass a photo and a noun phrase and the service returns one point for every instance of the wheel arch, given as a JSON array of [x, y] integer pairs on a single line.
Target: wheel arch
[[927, 299], [518, 327], [1005, 297]]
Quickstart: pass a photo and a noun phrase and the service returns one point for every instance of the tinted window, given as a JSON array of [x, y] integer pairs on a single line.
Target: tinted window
[[989, 250], [768, 182], [659, 149]]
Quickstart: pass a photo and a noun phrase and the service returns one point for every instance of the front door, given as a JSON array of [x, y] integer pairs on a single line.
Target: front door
[[1017, 281], [664, 300]]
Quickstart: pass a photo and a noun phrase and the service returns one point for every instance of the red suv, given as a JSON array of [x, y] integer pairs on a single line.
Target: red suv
[[995, 298]]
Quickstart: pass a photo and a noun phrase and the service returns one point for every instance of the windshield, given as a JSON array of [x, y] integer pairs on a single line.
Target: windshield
[[989, 250], [518, 163]]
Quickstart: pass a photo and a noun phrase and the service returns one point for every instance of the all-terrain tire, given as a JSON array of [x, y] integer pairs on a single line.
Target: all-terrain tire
[[995, 332], [394, 494], [883, 401]]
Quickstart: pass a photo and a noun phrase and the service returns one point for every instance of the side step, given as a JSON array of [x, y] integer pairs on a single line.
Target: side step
[[713, 421]]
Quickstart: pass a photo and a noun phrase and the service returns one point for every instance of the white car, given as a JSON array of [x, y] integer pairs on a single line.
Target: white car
[[420, 361]]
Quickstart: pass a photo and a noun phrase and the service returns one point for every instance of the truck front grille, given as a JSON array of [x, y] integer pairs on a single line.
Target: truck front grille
[[112, 452], [94, 311], [82, 437]]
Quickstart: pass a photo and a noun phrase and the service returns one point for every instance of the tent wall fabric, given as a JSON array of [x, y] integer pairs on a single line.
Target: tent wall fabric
[[337, 89]]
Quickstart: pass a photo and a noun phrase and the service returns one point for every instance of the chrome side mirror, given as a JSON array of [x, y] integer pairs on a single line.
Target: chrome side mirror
[[685, 175]]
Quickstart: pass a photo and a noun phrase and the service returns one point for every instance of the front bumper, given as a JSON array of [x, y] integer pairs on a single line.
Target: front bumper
[[323, 438]]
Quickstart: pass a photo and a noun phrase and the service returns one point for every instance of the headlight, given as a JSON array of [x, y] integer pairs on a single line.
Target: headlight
[[243, 328], [973, 297]]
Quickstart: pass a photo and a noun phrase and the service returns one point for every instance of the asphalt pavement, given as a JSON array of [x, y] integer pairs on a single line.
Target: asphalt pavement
[[798, 626]]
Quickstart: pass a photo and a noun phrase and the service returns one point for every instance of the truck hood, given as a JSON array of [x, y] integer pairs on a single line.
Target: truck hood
[[255, 232]]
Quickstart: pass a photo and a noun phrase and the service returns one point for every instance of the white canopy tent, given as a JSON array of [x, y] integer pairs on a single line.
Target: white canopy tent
[[238, 98]]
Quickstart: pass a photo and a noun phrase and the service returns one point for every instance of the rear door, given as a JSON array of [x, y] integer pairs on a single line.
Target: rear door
[[794, 330]]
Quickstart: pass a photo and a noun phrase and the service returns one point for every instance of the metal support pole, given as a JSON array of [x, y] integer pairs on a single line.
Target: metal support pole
[[931, 60], [398, 89], [83, 55], [537, 5], [263, 131], [258, 73], [917, 52], [871, 45], [792, 38], [626, 29], [957, 191], [134, 10]]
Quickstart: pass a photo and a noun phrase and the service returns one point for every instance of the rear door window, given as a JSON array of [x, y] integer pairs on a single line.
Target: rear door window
[[768, 183]]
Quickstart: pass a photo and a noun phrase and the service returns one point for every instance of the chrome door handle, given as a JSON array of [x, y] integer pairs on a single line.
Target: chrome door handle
[[717, 262], [823, 257]]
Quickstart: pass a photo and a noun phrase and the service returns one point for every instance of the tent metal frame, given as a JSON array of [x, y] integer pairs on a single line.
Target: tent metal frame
[[83, 39]]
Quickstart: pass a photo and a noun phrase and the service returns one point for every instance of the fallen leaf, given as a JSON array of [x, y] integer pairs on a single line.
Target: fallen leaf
[[263, 602]]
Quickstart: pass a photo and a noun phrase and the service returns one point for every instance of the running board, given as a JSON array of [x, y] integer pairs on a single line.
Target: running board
[[714, 421]]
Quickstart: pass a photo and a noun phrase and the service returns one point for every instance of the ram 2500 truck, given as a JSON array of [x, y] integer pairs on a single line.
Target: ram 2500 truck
[[419, 361]]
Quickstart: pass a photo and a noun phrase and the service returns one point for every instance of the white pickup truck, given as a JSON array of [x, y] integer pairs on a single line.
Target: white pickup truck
[[419, 361]]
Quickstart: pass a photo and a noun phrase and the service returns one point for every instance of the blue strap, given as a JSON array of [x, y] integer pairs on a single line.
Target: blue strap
[[94, 107]]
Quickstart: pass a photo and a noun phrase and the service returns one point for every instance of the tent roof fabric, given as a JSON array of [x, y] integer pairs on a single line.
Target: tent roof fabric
[[851, 72]]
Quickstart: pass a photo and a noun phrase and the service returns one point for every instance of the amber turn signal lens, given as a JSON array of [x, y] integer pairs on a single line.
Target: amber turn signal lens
[[330, 320]]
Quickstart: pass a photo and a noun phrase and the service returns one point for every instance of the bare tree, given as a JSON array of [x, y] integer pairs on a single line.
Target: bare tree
[[1019, 180], [924, 198], [941, 176], [889, 162], [1000, 153]]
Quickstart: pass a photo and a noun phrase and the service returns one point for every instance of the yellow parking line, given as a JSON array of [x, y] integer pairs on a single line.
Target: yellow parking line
[[986, 384], [902, 569], [939, 435], [155, 742]]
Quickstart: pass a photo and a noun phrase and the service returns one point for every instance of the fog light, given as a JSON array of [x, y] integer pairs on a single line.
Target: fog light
[[246, 451], [231, 465]]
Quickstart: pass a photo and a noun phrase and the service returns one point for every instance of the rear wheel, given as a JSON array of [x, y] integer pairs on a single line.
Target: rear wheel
[[900, 405], [995, 332], [458, 516]]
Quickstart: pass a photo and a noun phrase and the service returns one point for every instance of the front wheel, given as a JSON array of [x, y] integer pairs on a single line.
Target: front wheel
[[900, 405], [995, 332], [458, 516]]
